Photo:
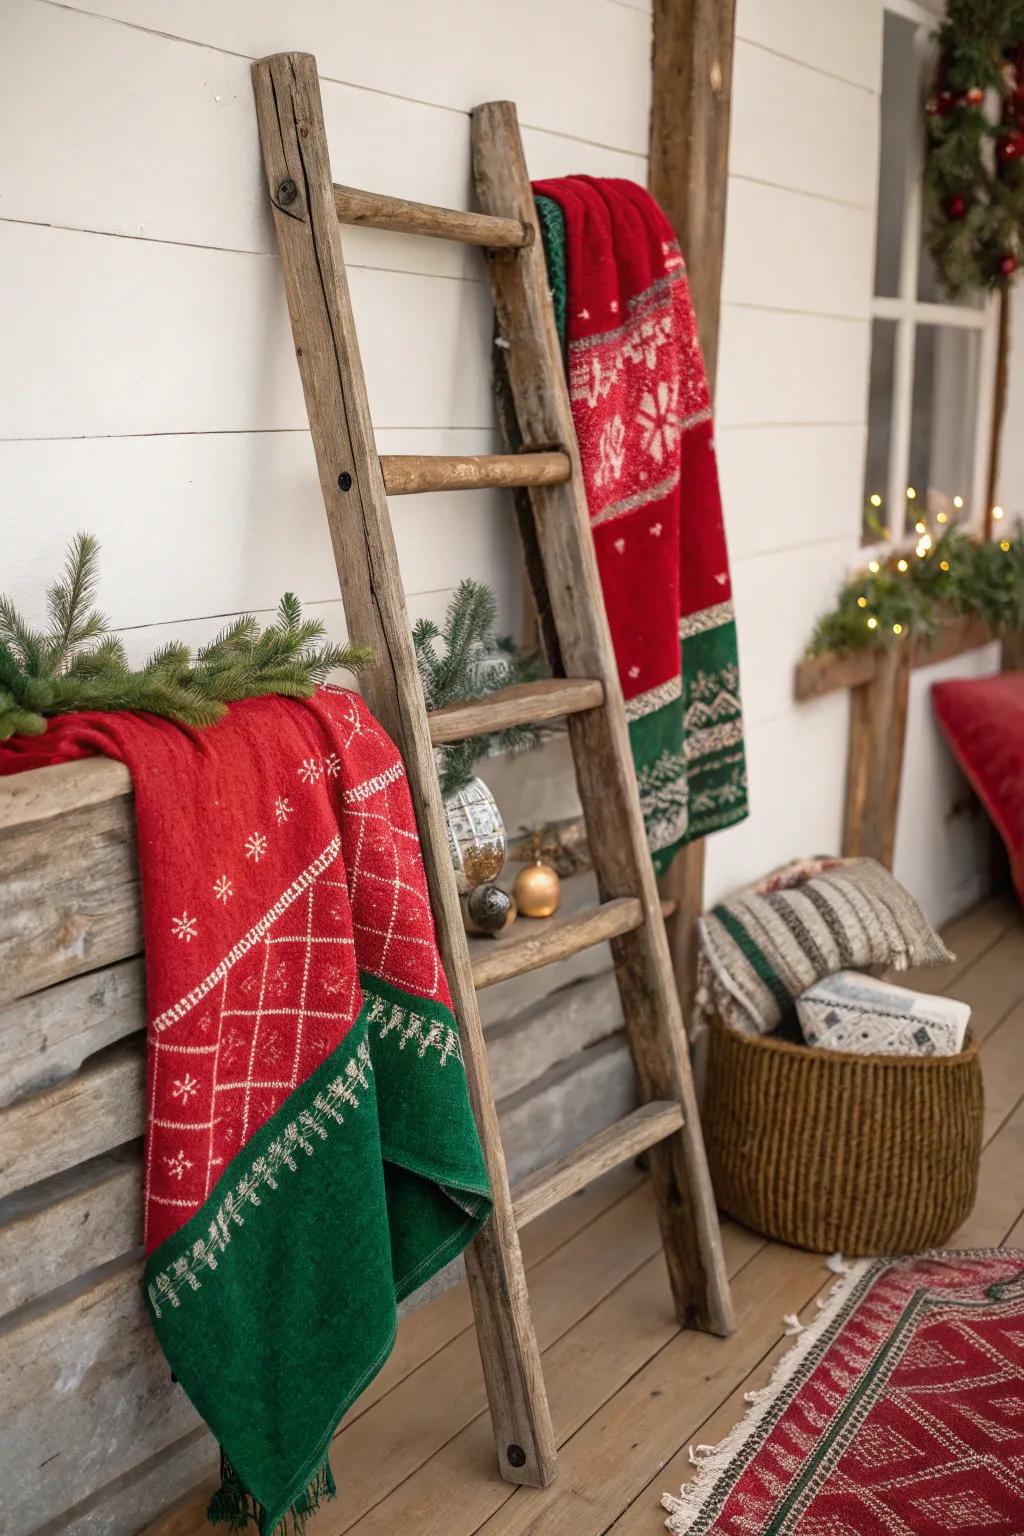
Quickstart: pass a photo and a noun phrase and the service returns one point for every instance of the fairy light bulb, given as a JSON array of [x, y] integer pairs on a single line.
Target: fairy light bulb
[[943, 565], [875, 499], [958, 502], [1004, 545], [998, 513], [911, 493], [862, 602], [874, 567], [901, 565], [920, 527], [872, 622], [897, 629], [926, 541], [940, 517]]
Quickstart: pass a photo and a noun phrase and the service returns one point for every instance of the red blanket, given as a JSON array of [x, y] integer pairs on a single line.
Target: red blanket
[[642, 413], [310, 1154]]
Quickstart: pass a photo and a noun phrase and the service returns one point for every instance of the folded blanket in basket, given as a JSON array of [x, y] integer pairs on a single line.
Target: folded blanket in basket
[[860, 1014], [310, 1155], [765, 945]]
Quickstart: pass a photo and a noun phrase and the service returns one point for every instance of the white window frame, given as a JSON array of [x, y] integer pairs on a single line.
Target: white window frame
[[909, 312]]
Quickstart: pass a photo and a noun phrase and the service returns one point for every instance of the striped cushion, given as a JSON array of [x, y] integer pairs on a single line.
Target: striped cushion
[[764, 946]]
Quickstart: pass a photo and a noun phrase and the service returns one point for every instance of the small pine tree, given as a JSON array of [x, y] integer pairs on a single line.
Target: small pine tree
[[77, 663], [473, 662]]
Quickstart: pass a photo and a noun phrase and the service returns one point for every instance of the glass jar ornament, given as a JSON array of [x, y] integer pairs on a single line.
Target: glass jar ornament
[[476, 835]]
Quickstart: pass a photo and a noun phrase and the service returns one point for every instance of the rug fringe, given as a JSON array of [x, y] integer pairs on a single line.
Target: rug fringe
[[685, 1509]]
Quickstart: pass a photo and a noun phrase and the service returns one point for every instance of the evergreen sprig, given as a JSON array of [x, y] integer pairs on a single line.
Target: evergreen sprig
[[472, 663], [77, 663], [955, 576], [974, 165]]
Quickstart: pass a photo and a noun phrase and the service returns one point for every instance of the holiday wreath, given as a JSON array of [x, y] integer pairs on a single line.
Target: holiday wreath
[[974, 163]]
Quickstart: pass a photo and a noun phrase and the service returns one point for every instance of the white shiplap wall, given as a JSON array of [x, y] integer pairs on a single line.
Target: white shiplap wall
[[149, 391]]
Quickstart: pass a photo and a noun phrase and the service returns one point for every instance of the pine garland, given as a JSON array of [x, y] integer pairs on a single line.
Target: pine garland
[[77, 663], [974, 165], [955, 576], [474, 663]]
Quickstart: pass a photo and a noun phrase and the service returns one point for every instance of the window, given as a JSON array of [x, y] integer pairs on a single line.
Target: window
[[932, 362]]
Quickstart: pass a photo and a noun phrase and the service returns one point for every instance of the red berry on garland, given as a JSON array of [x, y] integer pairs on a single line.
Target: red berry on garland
[[975, 96], [947, 101], [956, 206], [1011, 145], [931, 106], [1008, 264]]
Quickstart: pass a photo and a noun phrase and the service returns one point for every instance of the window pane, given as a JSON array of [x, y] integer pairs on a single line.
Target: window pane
[[876, 469], [901, 121], [946, 368]]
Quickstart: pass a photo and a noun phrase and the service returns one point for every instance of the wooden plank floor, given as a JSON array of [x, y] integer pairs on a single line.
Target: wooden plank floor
[[629, 1391]]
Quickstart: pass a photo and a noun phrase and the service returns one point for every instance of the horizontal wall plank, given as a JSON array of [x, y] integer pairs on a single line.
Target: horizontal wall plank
[[251, 501], [142, 1494], [776, 368], [46, 1036], [60, 1229], [789, 485], [448, 53], [819, 256], [87, 1395], [842, 40], [190, 170], [99, 1109], [173, 338], [795, 127]]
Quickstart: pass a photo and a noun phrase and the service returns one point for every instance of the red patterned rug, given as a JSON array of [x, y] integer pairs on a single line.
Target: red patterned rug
[[900, 1412]]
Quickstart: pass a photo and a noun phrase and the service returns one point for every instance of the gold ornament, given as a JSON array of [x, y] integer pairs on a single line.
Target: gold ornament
[[537, 890]]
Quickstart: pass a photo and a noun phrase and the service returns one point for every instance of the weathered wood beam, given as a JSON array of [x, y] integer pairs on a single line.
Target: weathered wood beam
[[691, 92]]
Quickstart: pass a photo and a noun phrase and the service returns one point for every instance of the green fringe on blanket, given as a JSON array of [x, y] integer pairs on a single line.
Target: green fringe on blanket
[[232, 1506]]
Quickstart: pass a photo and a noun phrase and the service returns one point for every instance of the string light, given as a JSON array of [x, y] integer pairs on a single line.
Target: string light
[[943, 565], [998, 513], [872, 622], [920, 551], [862, 602], [875, 499], [874, 567], [920, 527], [1004, 545], [926, 541], [940, 517], [897, 629], [901, 565], [958, 502], [911, 493]]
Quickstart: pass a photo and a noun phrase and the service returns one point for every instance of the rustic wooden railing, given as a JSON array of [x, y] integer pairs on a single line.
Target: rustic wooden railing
[[879, 684]]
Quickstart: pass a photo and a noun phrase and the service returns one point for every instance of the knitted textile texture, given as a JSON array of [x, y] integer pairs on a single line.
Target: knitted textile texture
[[311, 1156], [642, 414], [762, 947]]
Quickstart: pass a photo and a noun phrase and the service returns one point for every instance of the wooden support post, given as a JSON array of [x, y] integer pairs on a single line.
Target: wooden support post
[[691, 94], [878, 728], [298, 174]]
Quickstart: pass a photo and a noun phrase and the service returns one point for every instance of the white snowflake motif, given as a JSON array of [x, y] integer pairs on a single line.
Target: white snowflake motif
[[611, 450], [655, 528], [620, 545], [185, 927], [332, 765], [310, 770], [223, 889], [634, 671], [185, 1087], [255, 846], [659, 420], [282, 808], [177, 1164]]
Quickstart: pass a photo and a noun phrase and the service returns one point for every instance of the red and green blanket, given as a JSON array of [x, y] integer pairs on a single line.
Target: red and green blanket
[[642, 414], [311, 1156]]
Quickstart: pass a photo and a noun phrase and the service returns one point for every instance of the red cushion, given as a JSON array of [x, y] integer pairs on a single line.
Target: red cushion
[[983, 719]]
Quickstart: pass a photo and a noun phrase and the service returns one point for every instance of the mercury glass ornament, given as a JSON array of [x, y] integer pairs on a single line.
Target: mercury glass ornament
[[489, 909], [476, 835]]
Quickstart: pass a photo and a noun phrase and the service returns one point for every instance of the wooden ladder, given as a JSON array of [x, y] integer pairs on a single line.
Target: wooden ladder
[[545, 461]]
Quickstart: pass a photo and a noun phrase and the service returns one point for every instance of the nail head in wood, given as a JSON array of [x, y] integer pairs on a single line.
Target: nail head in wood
[[287, 192], [344, 481]]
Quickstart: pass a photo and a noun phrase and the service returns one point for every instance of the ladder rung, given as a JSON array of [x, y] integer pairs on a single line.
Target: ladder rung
[[406, 473], [647, 1125], [522, 704], [559, 938], [378, 212]]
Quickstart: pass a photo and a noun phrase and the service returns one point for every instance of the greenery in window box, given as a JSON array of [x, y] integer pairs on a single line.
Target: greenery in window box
[[77, 663], [974, 160], [915, 593], [473, 661]]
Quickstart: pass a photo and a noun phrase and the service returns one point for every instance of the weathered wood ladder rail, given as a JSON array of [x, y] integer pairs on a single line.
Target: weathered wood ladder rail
[[543, 462]]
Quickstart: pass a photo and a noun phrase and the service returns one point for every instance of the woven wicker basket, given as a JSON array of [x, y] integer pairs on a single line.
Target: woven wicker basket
[[828, 1151]]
